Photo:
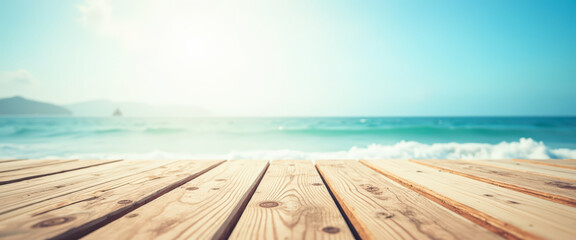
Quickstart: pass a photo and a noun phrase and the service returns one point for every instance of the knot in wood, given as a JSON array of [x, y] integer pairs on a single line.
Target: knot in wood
[[371, 189], [561, 184], [268, 204], [124, 201], [191, 188], [53, 222], [132, 215], [331, 230], [317, 184], [385, 214]]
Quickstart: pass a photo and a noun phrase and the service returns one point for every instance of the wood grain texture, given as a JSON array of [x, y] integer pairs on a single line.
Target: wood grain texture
[[46, 170], [75, 215], [205, 208], [25, 193], [563, 163], [291, 202], [560, 191], [30, 163], [10, 160], [379, 208], [510, 213], [555, 172]]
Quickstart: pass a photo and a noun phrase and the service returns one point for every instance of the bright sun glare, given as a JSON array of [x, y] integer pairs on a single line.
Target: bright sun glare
[[188, 54]]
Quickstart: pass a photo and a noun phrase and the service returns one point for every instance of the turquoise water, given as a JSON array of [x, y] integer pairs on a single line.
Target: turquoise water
[[277, 138]]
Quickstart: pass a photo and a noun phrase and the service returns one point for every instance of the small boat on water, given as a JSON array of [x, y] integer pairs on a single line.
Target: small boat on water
[[117, 113]]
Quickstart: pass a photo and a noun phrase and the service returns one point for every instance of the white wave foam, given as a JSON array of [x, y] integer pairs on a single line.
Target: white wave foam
[[525, 148]]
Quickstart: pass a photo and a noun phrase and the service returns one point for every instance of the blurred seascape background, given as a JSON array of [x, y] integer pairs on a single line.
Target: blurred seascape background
[[288, 138], [299, 79]]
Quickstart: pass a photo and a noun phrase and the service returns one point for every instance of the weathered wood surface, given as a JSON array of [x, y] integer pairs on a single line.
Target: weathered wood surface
[[291, 202], [379, 208], [561, 191], [556, 172], [563, 163], [507, 212], [30, 163], [10, 160], [71, 216], [388, 199], [49, 169], [29, 192], [205, 208]]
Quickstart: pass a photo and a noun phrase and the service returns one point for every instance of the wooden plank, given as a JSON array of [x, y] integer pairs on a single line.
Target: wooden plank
[[30, 173], [563, 163], [205, 208], [379, 208], [10, 160], [560, 173], [33, 191], [30, 163], [510, 213], [552, 189], [291, 202], [72, 216]]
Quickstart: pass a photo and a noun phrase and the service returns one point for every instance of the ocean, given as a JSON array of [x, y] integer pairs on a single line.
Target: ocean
[[288, 138]]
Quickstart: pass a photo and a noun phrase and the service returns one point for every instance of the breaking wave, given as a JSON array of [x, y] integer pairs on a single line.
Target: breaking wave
[[525, 148]]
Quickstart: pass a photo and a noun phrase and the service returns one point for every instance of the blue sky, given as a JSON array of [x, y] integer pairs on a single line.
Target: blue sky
[[296, 58]]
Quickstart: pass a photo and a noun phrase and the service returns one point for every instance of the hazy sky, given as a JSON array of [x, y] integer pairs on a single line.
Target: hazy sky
[[296, 57]]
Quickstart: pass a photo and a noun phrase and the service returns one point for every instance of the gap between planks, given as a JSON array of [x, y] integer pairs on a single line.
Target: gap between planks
[[512, 214], [51, 169], [549, 171], [11, 160], [291, 203], [206, 207], [26, 193], [379, 208], [76, 215], [30, 163], [560, 191], [563, 163]]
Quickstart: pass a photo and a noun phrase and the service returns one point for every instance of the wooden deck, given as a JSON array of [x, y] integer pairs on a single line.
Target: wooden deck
[[286, 199]]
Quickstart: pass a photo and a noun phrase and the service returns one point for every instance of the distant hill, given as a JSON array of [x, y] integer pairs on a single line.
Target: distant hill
[[133, 109], [22, 106]]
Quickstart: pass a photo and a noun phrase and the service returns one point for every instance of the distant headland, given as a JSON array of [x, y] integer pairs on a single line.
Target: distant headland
[[18, 105], [21, 106]]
